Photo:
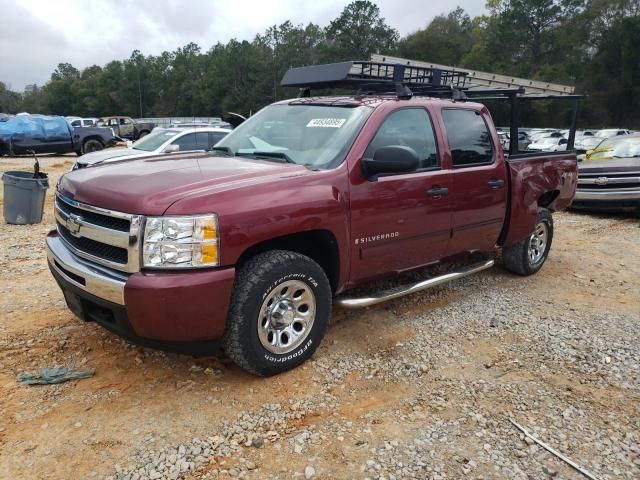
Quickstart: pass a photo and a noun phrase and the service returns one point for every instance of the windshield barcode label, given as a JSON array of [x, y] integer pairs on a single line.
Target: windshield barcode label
[[326, 122]]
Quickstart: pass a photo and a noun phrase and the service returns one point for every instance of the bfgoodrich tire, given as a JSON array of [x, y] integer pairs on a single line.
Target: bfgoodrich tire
[[528, 255], [279, 312]]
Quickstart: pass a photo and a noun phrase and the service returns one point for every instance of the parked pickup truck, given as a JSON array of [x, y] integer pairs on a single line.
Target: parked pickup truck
[[24, 134], [252, 243], [127, 127]]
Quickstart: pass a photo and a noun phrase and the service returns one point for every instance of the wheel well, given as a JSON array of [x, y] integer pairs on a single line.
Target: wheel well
[[319, 245], [547, 198]]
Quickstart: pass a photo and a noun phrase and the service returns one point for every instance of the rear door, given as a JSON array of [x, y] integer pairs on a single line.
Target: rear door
[[400, 221], [479, 177]]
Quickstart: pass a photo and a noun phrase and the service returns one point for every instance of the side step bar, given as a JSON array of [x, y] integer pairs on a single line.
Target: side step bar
[[403, 290]]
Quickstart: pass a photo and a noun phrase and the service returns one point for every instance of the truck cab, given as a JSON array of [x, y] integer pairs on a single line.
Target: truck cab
[[251, 244], [126, 127]]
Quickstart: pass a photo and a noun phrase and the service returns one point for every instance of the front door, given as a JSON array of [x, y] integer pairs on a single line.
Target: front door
[[126, 128], [479, 192], [400, 221]]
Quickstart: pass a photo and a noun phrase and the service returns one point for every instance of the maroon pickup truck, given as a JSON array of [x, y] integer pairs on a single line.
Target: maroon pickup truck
[[253, 242]]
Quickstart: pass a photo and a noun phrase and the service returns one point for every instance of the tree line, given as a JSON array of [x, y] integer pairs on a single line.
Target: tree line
[[592, 44]]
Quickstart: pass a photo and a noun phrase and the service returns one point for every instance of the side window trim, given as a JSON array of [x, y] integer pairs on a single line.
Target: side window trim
[[433, 131], [493, 146]]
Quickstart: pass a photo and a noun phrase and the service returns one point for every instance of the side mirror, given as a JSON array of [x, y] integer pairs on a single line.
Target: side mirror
[[171, 148], [391, 159]]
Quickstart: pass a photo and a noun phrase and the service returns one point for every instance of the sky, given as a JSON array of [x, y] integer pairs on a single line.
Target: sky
[[37, 35]]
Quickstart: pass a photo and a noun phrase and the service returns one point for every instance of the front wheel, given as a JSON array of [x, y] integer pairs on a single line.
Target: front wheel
[[279, 312], [528, 255]]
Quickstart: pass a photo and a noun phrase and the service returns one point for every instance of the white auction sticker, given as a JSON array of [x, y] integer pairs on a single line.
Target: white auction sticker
[[326, 122]]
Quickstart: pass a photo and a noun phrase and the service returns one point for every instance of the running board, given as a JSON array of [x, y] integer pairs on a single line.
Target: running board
[[403, 290]]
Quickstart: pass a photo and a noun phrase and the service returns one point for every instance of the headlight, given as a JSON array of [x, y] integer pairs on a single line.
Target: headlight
[[181, 242]]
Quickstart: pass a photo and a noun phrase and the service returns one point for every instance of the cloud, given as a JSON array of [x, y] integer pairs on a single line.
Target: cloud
[[36, 35]]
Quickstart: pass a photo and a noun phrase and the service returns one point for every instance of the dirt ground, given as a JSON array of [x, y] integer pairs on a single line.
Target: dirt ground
[[489, 348]]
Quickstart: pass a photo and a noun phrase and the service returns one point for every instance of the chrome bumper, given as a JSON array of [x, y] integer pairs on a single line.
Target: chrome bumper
[[608, 195], [96, 280]]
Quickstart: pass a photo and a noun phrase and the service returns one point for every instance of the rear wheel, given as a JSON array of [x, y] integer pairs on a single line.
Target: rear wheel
[[92, 145], [144, 133], [279, 312], [528, 255]]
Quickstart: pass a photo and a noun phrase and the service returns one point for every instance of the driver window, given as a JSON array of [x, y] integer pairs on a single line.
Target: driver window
[[409, 127], [113, 121]]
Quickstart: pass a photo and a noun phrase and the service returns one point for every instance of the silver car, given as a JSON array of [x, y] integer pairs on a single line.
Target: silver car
[[159, 141]]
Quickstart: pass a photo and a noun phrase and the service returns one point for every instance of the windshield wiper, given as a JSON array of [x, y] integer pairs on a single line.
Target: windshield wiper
[[278, 155]]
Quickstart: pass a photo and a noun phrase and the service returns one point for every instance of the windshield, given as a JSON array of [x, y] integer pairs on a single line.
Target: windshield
[[316, 136], [154, 140], [617, 147]]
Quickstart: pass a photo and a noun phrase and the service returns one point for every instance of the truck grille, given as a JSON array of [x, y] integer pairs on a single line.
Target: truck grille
[[103, 236], [608, 181], [97, 249], [120, 224]]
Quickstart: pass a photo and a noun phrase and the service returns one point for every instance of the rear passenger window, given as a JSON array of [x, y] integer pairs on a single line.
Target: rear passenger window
[[468, 137], [410, 127]]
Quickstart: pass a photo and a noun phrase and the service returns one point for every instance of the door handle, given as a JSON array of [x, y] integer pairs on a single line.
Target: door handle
[[437, 192], [495, 183]]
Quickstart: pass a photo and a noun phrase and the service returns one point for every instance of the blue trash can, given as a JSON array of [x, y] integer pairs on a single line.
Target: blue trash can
[[24, 195]]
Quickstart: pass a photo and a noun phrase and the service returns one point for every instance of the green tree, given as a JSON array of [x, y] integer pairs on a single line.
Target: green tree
[[525, 32], [613, 76], [445, 40], [33, 99], [9, 100], [358, 32], [61, 94]]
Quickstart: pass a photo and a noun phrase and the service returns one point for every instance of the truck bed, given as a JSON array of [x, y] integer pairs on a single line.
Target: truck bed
[[537, 179]]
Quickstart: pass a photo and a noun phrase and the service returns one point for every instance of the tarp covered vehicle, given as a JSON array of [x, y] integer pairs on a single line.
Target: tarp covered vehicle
[[50, 134]]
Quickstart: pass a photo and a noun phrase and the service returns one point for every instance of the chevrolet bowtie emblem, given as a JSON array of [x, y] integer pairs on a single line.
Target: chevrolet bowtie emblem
[[74, 224]]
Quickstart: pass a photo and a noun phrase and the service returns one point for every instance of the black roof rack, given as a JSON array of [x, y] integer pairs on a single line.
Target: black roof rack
[[375, 77]]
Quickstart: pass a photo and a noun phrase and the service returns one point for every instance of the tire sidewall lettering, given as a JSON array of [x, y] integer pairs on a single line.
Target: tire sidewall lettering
[[290, 356], [292, 276]]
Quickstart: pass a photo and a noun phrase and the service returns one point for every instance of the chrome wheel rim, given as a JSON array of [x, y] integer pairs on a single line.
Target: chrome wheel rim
[[286, 317], [538, 243]]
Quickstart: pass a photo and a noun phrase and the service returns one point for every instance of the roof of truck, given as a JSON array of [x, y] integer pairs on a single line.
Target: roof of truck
[[371, 101]]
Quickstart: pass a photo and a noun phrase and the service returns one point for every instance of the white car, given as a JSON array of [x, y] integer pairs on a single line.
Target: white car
[[159, 141], [612, 132], [549, 144]]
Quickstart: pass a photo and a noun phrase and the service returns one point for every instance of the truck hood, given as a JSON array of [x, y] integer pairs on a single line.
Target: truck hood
[[151, 185], [610, 165]]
